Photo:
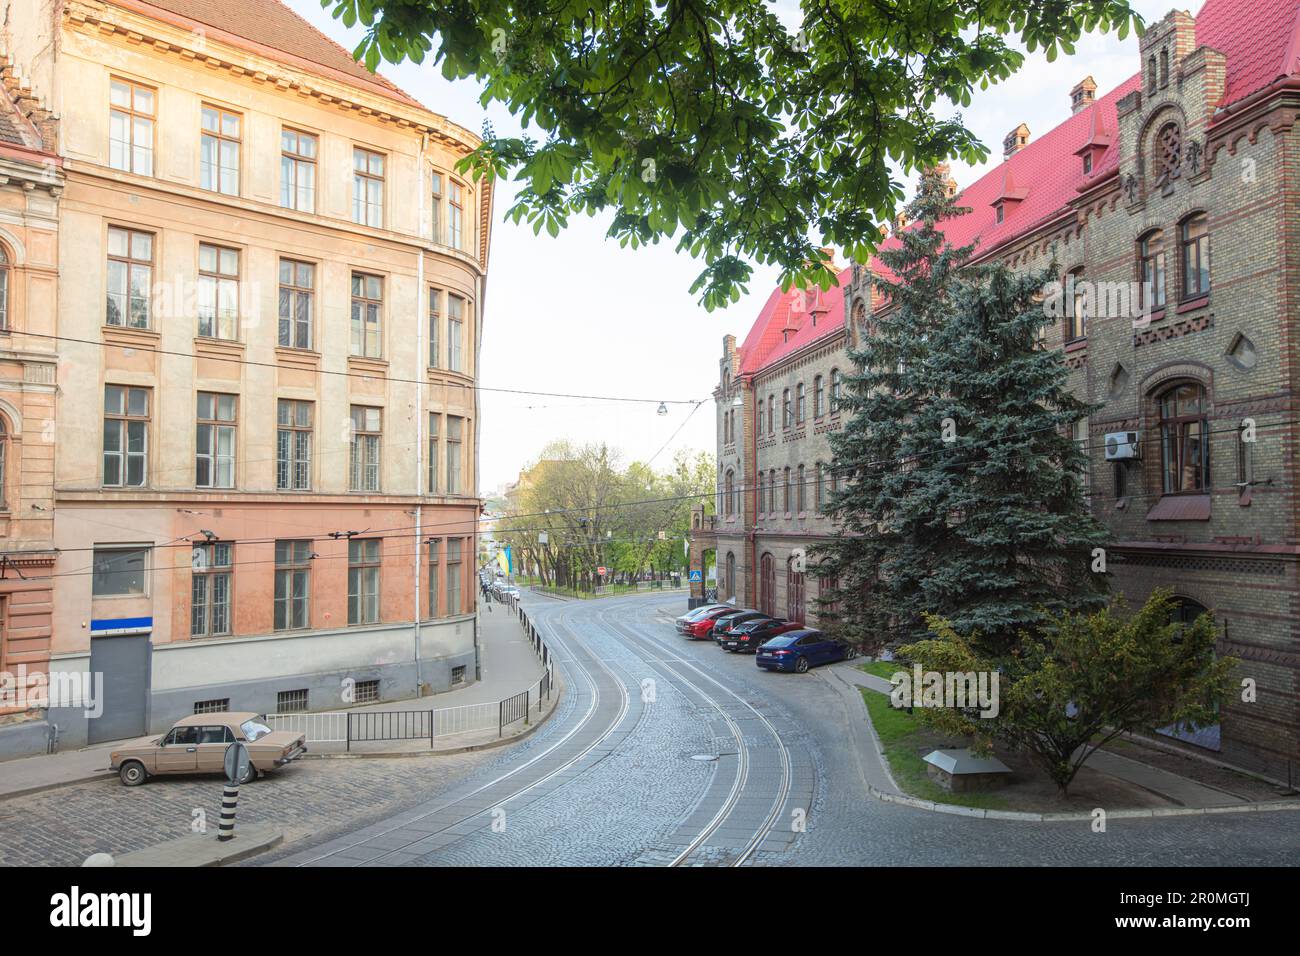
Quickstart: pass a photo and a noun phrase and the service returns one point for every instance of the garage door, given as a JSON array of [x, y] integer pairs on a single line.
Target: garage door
[[124, 662]]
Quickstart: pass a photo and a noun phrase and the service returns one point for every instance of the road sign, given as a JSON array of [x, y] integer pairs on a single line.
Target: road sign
[[601, 571], [236, 762], [696, 574]]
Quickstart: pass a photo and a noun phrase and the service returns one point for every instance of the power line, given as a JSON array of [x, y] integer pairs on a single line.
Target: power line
[[369, 376]]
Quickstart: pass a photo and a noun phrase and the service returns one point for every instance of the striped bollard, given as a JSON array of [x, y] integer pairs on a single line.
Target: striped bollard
[[229, 798]]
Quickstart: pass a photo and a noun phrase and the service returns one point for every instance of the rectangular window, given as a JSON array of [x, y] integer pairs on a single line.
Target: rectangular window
[[1196, 257], [291, 701], [293, 435], [297, 301], [455, 425], [1245, 462], [1085, 467], [130, 127], [214, 706], [435, 323], [292, 584], [366, 431], [119, 571], [787, 413], [219, 151], [436, 206], [126, 436], [367, 306], [211, 565], [455, 333], [365, 692], [435, 577], [214, 452], [455, 214], [363, 581], [130, 277], [218, 292], [367, 187], [434, 443], [458, 674], [297, 170], [453, 575]]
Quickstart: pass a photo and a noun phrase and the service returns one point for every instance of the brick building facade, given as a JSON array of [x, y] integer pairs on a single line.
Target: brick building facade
[[1170, 206]]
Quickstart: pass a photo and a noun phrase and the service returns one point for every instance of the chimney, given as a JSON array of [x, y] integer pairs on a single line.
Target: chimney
[[1083, 94], [1015, 141]]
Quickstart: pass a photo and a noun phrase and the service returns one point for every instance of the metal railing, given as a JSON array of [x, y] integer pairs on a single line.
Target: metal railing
[[364, 726]]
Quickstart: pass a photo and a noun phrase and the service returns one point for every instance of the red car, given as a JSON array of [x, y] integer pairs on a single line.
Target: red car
[[702, 629]]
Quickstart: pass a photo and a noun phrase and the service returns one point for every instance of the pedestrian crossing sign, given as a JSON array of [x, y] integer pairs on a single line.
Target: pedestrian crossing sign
[[696, 574]]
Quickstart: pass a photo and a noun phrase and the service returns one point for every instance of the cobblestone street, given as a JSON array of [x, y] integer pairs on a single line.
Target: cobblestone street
[[661, 751]]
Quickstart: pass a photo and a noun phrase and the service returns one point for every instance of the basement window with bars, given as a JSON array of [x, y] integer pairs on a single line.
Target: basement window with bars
[[458, 674], [214, 706], [291, 701], [366, 692]]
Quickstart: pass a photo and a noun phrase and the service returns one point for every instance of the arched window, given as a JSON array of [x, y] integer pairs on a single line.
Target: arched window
[[731, 575], [1164, 67], [801, 493], [799, 404], [728, 493], [1184, 440], [785, 497], [771, 414], [819, 500], [767, 586], [819, 406], [786, 410], [1195, 235], [4, 290], [836, 381], [771, 491], [1151, 76], [1151, 255], [1076, 323], [762, 490]]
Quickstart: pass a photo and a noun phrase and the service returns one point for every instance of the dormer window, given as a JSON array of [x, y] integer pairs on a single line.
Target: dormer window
[[1001, 212], [1087, 163]]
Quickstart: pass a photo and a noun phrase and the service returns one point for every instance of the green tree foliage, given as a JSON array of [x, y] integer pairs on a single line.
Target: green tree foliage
[[711, 123], [961, 484], [1078, 681], [594, 512]]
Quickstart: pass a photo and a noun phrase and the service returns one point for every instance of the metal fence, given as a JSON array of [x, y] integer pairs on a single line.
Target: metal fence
[[363, 726]]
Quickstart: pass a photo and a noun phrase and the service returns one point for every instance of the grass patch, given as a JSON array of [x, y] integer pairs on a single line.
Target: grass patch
[[885, 669], [903, 737]]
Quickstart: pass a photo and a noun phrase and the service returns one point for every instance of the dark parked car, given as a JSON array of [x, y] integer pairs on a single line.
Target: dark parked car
[[723, 625], [748, 635], [690, 617], [799, 650], [703, 627]]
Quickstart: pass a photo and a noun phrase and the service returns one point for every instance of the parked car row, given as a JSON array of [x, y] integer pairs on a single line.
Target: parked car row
[[776, 644]]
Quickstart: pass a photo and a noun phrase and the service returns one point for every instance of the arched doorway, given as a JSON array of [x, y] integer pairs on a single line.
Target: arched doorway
[[1186, 611], [767, 586], [793, 593]]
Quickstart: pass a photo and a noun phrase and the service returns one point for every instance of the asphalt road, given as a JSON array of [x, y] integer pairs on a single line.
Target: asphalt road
[[670, 752]]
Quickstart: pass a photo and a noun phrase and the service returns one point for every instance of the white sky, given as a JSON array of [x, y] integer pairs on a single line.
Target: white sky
[[577, 314]]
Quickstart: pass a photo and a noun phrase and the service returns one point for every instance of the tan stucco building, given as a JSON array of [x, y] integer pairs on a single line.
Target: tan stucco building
[[269, 314]]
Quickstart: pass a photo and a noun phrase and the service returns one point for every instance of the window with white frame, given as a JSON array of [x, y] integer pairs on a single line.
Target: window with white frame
[[367, 187], [126, 436], [214, 452], [219, 146], [211, 565], [130, 126], [218, 292], [293, 440], [365, 448]]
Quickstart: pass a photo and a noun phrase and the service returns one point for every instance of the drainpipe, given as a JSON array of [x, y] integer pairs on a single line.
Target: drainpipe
[[420, 375]]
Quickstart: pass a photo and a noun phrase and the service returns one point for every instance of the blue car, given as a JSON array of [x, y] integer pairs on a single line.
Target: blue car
[[799, 650]]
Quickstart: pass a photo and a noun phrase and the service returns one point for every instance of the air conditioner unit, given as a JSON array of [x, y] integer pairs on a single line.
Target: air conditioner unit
[[1121, 446]]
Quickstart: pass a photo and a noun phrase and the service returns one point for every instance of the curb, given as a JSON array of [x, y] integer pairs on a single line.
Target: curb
[[148, 857], [104, 774], [1026, 816]]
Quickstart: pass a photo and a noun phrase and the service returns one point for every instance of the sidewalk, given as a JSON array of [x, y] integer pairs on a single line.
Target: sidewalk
[[1177, 789], [509, 666]]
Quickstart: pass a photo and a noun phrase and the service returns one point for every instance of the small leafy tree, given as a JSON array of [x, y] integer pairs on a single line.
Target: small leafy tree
[[1080, 680]]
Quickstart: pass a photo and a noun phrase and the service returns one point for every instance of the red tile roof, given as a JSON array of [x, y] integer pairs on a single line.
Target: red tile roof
[[791, 320], [1259, 38], [272, 28]]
